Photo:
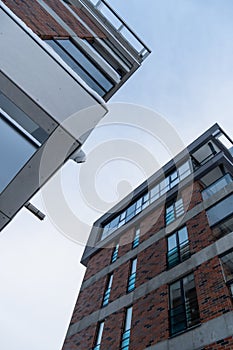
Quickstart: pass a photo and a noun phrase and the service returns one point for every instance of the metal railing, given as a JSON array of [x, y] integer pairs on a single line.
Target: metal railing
[[120, 28]]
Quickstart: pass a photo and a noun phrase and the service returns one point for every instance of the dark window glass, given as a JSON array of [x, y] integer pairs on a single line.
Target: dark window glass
[[76, 67], [184, 312], [223, 228], [220, 211], [178, 247], [227, 265], [16, 149]]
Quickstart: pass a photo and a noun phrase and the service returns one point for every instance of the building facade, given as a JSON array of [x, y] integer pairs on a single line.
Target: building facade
[[60, 62], [160, 264]]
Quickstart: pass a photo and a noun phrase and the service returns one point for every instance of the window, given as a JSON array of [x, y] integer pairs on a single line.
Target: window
[[132, 276], [216, 186], [82, 64], [183, 311], [99, 336], [126, 334], [136, 238], [178, 247], [227, 266], [147, 198], [174, 210], [17, 147], [223, 228], [220, 211], [115, 253], [107, 291]]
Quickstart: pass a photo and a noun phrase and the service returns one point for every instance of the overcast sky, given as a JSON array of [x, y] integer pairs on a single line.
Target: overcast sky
[[188, 79]]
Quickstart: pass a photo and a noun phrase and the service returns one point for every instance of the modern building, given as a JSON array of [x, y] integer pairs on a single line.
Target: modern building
[[61, 60], [160, 264]]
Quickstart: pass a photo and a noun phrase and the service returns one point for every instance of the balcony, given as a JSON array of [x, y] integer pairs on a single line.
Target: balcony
[[38, 95], [216, 186]]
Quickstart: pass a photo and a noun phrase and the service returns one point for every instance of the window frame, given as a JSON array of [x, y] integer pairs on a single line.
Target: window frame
[[132, 275], [184, 307], [180, 256]]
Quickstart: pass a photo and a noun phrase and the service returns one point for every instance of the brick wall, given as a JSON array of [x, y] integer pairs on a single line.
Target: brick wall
[[82, 340], [151, 262], [45, 26], [223, 344], [150, 319], [212, 293]]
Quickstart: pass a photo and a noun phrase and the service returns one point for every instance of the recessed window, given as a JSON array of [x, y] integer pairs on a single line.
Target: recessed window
[[178, 247], [184, 311], [227, 266], [108, 290], [136, 238], [132, 276], [125, 340], [99, 335], [115, 253], [82, 65], [174, 210]]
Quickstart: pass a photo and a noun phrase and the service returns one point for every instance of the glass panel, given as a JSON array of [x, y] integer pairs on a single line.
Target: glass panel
[[177, 310], [223, 228], [172, 242], [184, 170], [82, 60], [134, 266], [191, 305], [220, 211], [115, 253], [128, 318], [15, 151], [79, 70], [154, 193], [183, 235], [100, 333], [216, 186], [227, 264]]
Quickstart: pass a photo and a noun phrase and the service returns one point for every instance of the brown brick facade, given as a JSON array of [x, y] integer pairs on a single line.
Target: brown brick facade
[[150, 322]]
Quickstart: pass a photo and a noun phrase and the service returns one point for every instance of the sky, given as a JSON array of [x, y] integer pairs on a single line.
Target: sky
[[188, 80]]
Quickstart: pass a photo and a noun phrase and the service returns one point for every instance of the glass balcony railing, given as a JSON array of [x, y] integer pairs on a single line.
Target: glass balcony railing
[[216, 186]]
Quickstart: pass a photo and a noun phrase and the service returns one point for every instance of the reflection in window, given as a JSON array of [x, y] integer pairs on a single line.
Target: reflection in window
[[99, 336], [220, 211], [108, 291], [115, 253], [178, 247], [16, 149], [132, 276], [82, 65], [223, 228], [216, 186], [136, 238], [227, 265], [174, 210], [184, 312], [146, 199], [125, 340]]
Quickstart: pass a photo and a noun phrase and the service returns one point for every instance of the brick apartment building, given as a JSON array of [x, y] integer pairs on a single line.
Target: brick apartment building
[[160, 265], [59, 58]]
